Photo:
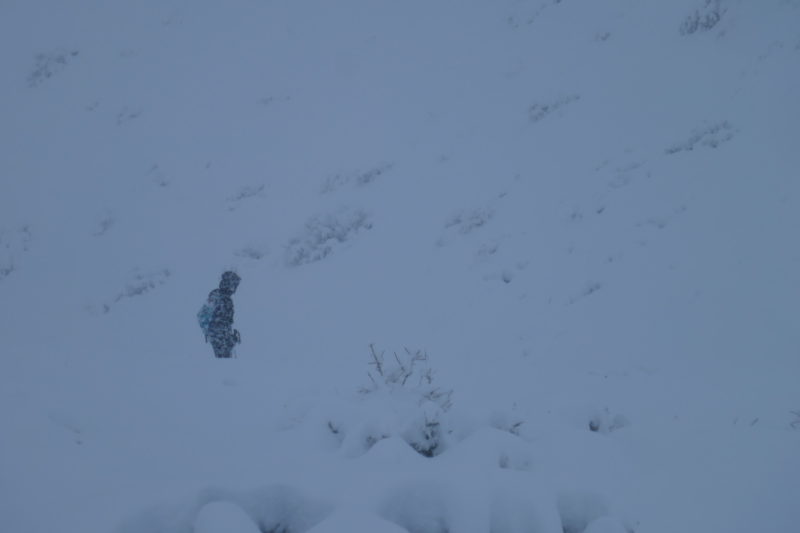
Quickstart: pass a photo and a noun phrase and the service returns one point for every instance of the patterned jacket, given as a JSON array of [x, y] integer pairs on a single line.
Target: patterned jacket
[[221, 325]]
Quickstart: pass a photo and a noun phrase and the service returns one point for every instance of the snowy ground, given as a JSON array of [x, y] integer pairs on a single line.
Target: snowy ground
[[584, 212]]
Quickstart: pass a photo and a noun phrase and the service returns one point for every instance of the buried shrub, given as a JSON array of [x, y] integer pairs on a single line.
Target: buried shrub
[[400, 400]]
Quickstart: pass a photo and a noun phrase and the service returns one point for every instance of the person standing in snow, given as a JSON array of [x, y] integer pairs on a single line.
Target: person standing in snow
[[216, 316]]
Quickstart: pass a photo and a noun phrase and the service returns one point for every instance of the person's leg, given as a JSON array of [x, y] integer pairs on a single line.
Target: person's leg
[[229, 344], [221, 349]]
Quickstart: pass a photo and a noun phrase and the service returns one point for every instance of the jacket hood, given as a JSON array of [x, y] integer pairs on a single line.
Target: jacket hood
[[229, 282]]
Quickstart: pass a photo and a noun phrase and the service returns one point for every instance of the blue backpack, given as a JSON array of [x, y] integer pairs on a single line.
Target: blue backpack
[[206, 313]]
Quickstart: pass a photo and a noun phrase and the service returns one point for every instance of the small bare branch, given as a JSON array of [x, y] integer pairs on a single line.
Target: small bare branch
[[399, 373], [377, 360]]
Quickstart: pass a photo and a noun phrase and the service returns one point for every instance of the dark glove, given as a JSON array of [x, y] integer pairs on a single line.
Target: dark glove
[[237, 337]]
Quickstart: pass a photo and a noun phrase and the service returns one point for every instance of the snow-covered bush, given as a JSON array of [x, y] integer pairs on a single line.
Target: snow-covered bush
[[141, 283], [703, 19], [406, 380], [245, 194], [253, 251], [540, 110], [400, 400], [47, 65], [464, 222], [605, 422], [322, 234], [401, 403], [709, 137], [359, 179], [410, 370]]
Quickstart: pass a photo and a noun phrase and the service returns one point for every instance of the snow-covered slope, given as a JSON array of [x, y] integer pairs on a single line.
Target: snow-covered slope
[[584, 212]]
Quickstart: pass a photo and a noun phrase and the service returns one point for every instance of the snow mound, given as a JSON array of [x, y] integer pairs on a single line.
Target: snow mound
[[348, 521], [223, 517], [274, 508]]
